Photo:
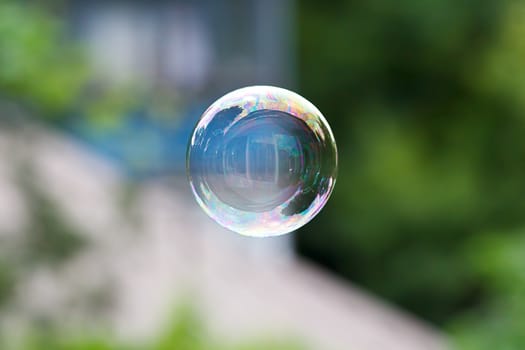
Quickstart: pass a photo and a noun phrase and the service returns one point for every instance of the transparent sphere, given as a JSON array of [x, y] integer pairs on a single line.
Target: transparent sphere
[[262, 161]]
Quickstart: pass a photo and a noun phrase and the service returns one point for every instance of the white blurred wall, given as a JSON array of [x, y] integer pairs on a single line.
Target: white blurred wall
[[168, 251]]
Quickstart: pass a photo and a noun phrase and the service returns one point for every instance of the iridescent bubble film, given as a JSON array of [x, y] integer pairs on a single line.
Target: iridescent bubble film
[[262, 161]]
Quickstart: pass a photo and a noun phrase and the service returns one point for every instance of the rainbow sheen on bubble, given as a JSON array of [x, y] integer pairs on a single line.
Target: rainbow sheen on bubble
[[262, 161]]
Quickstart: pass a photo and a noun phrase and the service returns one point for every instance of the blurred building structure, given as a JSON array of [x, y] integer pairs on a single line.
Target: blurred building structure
[[180, 55], [163, 250], [191, 46], [190, 51]]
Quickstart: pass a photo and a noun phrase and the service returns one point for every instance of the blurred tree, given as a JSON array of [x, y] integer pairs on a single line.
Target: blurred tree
[[7, 281], [499, 323], [45, 73], [426, 102], [50, 238], [38, 67], [498, 254]]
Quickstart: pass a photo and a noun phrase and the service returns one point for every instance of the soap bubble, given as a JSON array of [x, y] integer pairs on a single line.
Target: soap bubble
[[262, 161]]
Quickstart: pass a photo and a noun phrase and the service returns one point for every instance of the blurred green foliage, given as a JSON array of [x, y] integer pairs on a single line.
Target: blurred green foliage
[[49, 236], [426, 102], [46, 73], [7, 281], [38, 67], [499, 322], [186, 332]]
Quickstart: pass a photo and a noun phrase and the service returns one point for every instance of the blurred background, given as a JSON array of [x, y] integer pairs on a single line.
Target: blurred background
[[422, 245]]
